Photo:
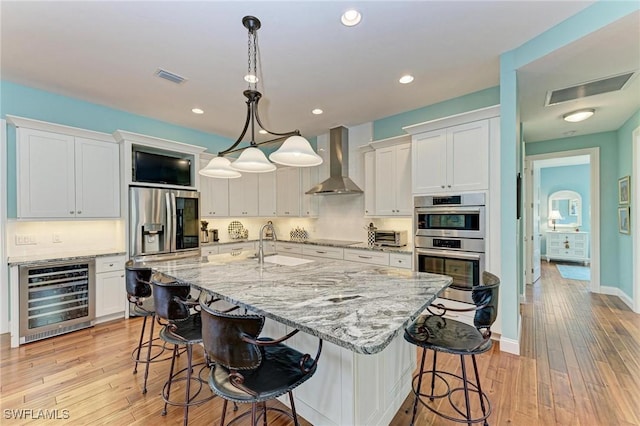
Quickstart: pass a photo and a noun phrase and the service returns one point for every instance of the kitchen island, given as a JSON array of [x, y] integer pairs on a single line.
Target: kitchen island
[[359, 310]]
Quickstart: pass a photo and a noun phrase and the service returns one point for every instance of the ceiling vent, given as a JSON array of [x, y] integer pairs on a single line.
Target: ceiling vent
[[167, 75], [597, 87]]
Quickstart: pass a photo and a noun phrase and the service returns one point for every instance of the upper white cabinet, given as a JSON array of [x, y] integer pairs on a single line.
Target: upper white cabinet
[[452, 154], [267, 194], [369, 183], [243, 195], [392, 178], [65, 172], [214, 195], [288, 192], [453, 159], [308, 203]]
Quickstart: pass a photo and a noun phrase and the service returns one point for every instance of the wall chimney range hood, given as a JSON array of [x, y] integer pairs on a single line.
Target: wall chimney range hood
[[339, 182]]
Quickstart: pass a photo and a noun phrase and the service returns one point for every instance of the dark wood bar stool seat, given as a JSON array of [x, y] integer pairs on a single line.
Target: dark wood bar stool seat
[[437, 333], [246, 368], [139, 294], [179, 315]]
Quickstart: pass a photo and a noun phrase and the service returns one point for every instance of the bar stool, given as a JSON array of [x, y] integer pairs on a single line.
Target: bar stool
[[139, 295], [437, 333], [181, 327], [246, 368]]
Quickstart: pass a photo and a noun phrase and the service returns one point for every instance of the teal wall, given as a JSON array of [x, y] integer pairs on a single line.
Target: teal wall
[[625, 248], [392, 126]]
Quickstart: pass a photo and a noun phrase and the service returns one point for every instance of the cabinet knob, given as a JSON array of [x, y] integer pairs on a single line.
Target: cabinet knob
[[449, 186], [441, 186], [71, 212], [79, 212]]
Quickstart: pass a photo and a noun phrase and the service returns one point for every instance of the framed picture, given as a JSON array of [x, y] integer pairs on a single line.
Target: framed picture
[[623, 190], [624, 227]]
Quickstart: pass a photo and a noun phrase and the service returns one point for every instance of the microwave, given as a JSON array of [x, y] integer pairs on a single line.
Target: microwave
[[390, 238]]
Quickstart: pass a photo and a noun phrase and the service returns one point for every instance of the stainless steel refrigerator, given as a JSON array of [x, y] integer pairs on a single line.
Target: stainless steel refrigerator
[[163, 221]]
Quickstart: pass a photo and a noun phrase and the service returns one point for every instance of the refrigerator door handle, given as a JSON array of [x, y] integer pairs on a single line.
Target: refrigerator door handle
[[169, 219]]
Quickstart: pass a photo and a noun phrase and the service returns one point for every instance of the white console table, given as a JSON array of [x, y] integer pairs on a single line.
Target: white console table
[[568, 245]]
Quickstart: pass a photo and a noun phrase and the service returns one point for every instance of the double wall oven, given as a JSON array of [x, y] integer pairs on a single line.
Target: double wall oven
[[450, 240]]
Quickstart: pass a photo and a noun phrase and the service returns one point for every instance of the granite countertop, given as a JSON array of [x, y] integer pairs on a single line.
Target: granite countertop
[[357, 306], [326, 243], [34, 259]]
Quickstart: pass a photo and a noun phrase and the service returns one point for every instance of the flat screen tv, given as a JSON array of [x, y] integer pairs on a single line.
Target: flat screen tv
[[161, 169]]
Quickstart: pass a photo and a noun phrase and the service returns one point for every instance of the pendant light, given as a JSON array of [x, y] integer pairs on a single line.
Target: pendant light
[[219, 167], [295, 151]]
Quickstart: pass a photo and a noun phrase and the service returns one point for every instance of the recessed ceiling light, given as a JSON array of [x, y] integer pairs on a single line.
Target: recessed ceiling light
[[579, 115], [351, 17], [406, 79], [250, 78], [197, 111], [317, 111]]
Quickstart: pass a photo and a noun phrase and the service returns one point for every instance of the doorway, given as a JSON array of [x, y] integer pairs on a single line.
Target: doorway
[[537, 206]]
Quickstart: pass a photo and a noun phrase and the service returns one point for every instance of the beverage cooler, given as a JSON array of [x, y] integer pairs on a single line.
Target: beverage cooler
[[56, 298]]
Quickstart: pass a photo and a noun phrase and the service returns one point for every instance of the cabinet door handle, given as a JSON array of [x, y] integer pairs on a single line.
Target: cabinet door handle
[[111, 264], [321, 252]]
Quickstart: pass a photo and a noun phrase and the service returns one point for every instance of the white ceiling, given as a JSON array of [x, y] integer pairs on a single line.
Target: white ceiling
[[107, 52]]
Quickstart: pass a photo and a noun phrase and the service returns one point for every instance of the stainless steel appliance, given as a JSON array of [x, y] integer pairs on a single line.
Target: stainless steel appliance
[[390, 238], [56, 298], [449, 240], [163, 221], [460, 216]]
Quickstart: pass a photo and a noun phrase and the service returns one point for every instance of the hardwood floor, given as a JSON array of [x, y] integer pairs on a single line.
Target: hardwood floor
[[580, 365]]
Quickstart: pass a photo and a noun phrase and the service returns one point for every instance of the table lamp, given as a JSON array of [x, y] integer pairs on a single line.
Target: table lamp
[[554, 215]]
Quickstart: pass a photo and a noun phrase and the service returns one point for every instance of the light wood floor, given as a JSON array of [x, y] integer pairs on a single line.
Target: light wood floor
[[580, 365]]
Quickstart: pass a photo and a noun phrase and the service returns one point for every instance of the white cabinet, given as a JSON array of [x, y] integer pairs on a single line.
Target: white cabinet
[[288, 191], [573, 246], [243, 195], [110, 288], [208, 250], [237, 247], [393, 181], [367, 256], [308, 203], [369, 183], [214, 195], [267, 194], [323, 251], [289, 249], [67, 176], [400, 260], [451, 159]]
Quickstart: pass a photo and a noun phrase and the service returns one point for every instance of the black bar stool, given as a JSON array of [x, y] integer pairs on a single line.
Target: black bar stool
[[181, 327], [139, 295], [246, 368], [437, 333]]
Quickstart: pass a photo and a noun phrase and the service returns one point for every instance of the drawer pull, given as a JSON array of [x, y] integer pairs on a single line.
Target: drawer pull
[[364, 257], [321, 252], [111, 264]]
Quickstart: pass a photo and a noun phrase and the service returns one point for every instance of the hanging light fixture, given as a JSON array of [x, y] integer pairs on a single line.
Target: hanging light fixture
[[295, 150]]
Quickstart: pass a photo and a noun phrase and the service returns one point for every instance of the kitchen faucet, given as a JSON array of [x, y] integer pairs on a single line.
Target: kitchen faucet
[[268, 225]]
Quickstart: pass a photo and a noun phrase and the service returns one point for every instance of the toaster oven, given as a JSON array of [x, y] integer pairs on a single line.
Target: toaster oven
[[390, 238]]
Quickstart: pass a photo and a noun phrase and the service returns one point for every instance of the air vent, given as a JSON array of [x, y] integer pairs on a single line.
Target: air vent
[[167, 75], [597, 87]]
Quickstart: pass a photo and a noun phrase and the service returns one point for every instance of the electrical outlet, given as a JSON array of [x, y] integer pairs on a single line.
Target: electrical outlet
[[25, 239], [56, 238]]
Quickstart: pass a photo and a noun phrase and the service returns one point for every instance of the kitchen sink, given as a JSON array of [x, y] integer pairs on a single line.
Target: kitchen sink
[[279, 259]]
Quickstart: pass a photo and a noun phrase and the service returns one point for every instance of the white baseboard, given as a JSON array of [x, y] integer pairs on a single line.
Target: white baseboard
[[509, 345], [615, 291]]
